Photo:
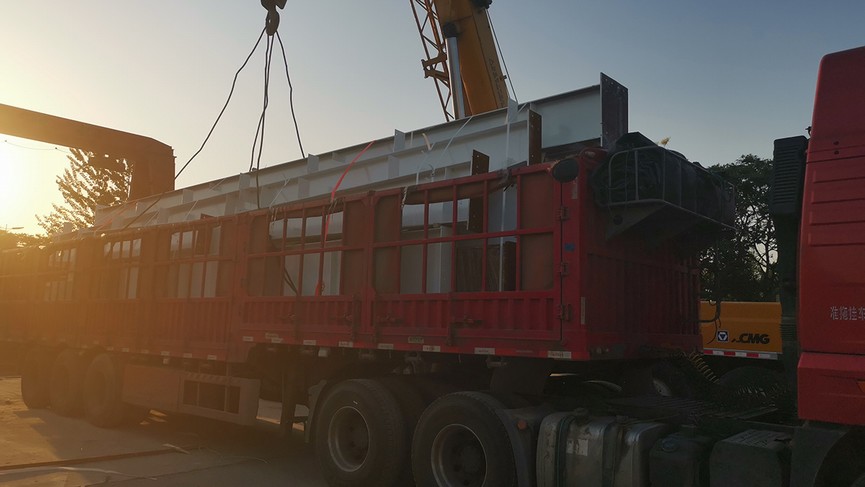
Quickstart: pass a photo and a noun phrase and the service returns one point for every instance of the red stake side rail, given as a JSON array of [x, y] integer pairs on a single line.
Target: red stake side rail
[[507, 263]]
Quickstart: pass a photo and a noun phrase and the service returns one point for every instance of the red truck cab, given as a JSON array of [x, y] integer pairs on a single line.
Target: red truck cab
[[831, 314]]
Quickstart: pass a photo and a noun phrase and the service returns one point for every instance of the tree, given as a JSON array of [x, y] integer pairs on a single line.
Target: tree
[[741, 267], [88, 182], [11, 240]]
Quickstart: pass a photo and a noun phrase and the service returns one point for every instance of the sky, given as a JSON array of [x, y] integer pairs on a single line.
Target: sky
[[721, 79]]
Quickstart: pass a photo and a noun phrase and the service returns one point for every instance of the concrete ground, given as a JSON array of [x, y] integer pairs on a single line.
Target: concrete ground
[[39, 447]]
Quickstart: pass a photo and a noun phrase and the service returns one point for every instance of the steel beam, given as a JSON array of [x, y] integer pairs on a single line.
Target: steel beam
[[434, 153]]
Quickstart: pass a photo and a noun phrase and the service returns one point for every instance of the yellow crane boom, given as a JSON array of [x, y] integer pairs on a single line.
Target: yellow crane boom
[[461, 55]]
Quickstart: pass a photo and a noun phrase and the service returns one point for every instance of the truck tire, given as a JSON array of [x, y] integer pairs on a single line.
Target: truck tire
[[102, 387], [411, 405], [752, 385], [35, 375], [360, 435], [669, 381], [460, 441], [64, 389], [753, 378]]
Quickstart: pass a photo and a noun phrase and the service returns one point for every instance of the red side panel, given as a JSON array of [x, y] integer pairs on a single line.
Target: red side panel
[[528, 273], [838, 122], [633, 297], [831, 388], [832, 258]]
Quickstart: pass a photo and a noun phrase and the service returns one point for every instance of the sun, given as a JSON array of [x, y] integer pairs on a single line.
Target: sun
[[28, 172]]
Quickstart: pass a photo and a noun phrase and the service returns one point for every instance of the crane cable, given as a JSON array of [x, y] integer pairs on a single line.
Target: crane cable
[[255, 160], [224, 106], [502, 57], [255, 163], [269, 24], [291, 96], [207, 137]]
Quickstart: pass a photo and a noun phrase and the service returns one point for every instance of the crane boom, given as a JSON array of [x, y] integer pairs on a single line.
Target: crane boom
[[461, 28]]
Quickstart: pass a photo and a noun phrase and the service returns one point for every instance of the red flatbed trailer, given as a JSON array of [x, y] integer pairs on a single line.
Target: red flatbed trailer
[[214, 288]]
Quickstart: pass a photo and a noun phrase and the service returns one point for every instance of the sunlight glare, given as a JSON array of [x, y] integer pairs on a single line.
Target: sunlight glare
[[10, 183], [28, 171]]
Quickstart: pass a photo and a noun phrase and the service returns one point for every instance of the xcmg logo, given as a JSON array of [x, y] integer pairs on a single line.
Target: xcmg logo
[[761, 338]]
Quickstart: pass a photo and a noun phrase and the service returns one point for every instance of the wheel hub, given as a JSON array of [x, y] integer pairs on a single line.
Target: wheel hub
[[348, 439], [458, 458]]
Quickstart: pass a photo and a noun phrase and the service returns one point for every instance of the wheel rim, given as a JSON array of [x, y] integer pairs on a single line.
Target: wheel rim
[[348, 439], [458, 457]]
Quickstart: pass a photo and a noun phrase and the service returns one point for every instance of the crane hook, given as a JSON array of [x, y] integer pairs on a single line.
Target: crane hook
[[271, 22]]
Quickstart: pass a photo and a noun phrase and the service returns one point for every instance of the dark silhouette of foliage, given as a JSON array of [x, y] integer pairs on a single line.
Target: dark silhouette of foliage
[[741, 266], [11, 240], [85, 185]]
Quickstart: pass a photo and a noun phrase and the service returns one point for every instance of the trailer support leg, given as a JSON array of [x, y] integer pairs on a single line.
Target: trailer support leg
[[291, 392]]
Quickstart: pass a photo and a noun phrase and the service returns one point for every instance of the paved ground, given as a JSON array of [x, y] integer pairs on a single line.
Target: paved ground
[[41, 448]]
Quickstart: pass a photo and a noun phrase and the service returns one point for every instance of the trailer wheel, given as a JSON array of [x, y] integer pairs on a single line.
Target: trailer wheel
[[460, 441], [102, 404], [411, 405], [64, 389], [360, 435], [408, 399], [35, 375]]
